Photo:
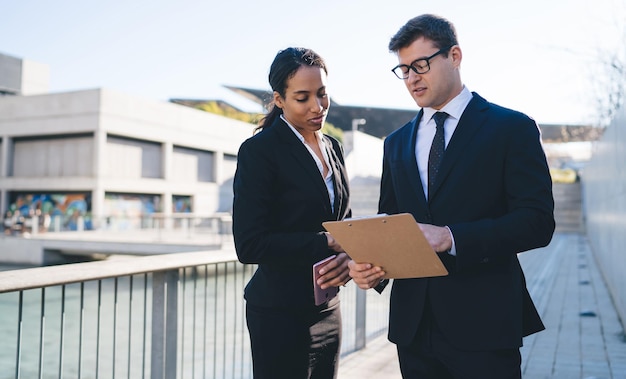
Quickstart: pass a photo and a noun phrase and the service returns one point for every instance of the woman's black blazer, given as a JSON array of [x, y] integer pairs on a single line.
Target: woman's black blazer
[[280, 202]]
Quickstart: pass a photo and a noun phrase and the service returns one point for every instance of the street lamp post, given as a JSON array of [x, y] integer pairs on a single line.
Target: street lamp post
[[356, 122]]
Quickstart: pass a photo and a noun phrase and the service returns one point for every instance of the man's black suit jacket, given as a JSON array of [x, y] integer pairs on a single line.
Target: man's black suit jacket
[[280, 202], [494, 191]]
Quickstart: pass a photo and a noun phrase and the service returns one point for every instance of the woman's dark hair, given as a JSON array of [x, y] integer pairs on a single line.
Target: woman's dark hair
[[434, 28], [284, 67]]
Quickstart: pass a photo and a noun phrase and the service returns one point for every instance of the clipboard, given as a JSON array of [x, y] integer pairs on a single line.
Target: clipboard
[[393, 242]]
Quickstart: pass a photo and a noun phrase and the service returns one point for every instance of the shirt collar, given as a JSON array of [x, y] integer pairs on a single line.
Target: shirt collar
[[297, 133], [454, 108]]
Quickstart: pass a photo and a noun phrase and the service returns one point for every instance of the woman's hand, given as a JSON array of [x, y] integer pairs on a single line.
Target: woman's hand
[[336, 272]]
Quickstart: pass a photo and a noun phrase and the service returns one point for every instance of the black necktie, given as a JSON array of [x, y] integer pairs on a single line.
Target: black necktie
[[436, 151]]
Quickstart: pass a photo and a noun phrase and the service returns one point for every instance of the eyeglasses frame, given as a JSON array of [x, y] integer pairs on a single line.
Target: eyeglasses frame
[[415, 70]]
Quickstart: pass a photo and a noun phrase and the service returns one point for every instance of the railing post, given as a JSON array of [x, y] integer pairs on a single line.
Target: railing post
[[164, 324], [57, 223], [34, 226], [360, 333]]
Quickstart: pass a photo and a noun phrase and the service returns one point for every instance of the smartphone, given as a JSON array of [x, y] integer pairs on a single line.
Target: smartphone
[[322, 295]]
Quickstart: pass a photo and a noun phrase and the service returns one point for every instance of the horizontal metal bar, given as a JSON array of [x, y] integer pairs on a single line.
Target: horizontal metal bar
[[39, 277]]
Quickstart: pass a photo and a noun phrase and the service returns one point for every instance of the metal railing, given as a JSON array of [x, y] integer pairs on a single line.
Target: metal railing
[[168, 316], [186, 222]]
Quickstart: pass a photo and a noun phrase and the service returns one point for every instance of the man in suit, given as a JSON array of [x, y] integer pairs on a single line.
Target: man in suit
[[481, 192]]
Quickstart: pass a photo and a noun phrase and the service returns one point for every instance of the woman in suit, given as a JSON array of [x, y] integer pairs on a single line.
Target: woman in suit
[[290, 178]]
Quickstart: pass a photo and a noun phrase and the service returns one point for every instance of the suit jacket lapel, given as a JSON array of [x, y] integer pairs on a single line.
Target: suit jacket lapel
[[339, 181], [470, 122], [304, 159], [410, 160]]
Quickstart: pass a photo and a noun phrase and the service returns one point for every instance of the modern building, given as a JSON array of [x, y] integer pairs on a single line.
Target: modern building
[[22, 77], [105, 155]]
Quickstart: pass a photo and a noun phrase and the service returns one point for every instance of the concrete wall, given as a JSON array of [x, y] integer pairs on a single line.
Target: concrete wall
[[604, 204], [364, 162], [21, 251], [10, 75], [22, 77], [35, 78], [363, 154]]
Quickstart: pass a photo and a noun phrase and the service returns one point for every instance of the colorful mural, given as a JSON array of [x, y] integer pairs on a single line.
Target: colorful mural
[[68, 207]]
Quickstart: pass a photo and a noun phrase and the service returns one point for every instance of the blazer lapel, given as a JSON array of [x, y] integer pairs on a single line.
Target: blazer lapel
[[339, 181], [470, 122], [410, 160], [304, 159]]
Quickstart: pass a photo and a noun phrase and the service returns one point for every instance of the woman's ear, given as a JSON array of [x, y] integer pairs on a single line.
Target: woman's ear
[[278, 100]]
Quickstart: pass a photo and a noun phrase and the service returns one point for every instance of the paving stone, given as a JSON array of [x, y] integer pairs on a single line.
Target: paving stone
[[573, 346]]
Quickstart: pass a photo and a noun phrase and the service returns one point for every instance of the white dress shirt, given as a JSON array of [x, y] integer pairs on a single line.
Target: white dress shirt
[[328, 179], [426, 133]]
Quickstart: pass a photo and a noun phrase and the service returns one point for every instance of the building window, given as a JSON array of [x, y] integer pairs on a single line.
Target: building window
[[181, 204], [125, 211], [53, 156], [192, 165], [132, 158]]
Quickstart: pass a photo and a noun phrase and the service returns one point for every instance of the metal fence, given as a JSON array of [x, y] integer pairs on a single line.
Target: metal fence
[[187, 223], [167, 316]]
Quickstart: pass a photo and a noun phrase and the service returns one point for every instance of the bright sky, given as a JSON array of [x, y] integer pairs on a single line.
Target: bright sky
[[536, 56]]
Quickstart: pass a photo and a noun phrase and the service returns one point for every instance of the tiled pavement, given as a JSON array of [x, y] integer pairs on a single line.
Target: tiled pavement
[[583, 337]]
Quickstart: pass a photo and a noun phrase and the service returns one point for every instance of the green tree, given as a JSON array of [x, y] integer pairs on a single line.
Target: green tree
[[225, 110], [228, 111], [609, 76], [333, 131]]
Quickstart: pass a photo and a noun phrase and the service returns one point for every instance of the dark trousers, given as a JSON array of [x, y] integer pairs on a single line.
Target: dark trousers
[[295, 343], [432, 356]]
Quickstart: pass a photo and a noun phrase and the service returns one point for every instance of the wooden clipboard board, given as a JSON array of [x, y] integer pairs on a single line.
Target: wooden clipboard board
[[393, 242]]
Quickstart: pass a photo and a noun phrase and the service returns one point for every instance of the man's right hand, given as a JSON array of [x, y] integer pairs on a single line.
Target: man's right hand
[[365, 275]]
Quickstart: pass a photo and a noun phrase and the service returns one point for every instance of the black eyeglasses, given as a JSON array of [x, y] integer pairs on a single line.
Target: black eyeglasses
[[419, 66]]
